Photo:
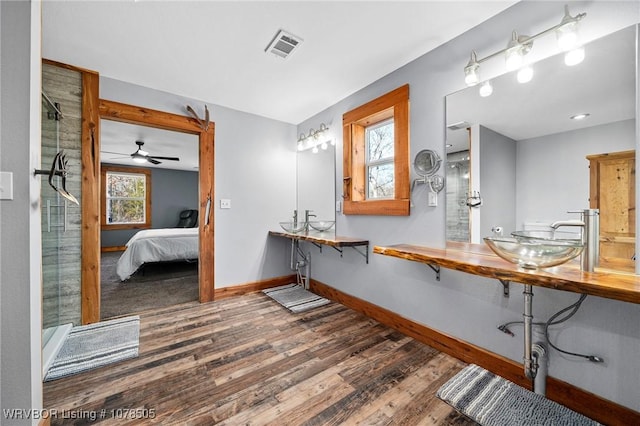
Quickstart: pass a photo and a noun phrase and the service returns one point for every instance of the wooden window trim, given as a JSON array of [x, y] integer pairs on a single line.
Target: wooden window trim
[[103, 194], [393, 104]]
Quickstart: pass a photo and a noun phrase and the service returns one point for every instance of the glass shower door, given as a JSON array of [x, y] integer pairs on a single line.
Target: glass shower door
[[54, 210]]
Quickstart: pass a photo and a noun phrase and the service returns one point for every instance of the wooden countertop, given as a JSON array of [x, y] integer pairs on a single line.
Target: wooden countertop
[[478, 259], [325, 238]]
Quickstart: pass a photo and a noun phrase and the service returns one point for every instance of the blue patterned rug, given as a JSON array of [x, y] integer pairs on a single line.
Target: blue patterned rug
[[494, 401], [95, 345]]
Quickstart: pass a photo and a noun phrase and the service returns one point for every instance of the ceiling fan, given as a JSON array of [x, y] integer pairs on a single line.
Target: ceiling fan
[[142, 156]]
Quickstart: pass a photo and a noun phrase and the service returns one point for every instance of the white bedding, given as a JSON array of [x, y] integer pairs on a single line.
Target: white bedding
[[157, 245]]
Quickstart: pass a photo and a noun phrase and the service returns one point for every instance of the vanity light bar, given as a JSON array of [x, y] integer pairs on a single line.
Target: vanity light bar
[[520, 45], [315, 139]]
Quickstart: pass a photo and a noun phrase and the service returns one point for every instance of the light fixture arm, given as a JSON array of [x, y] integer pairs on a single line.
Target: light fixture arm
[[528, 40]]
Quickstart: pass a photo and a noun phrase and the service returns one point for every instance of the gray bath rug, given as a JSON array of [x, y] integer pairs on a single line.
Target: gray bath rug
[[493, 401], [94, 345], [295, 298]]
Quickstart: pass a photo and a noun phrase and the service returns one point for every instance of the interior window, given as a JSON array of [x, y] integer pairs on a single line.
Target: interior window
[[376, 156], [126, 195]]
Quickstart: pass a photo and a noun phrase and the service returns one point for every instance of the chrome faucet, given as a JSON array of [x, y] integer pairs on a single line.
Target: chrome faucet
[[307, 215], [590, 223], [295, 218]]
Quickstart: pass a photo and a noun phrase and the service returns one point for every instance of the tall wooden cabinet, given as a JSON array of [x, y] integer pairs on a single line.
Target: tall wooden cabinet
[[612, 191]]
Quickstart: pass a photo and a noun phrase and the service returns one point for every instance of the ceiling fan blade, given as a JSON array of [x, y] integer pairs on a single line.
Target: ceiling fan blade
[[165, 158], [152, 161], [111, 152]]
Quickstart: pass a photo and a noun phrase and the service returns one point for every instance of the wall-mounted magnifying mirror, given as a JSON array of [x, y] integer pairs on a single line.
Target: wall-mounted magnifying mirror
[[525, 150], [427, 162]]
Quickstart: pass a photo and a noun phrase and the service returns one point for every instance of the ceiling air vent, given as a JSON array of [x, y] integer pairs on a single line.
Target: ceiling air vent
[[283, 44], [458, 126]]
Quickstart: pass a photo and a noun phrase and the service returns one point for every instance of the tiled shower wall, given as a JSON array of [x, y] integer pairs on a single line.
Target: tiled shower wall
[[61, 222]]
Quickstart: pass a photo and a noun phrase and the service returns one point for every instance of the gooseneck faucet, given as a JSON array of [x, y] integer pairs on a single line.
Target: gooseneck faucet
[[590, 224], [307, 215]]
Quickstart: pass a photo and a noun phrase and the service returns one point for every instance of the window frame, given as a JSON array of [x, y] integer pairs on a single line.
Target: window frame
[[104, 169], [394, 104]]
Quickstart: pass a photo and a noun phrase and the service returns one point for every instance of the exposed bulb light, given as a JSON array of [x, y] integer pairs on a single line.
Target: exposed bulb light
[[574, 56], [580, 116], [333, 142], [567, 31], [486, 89], [519, 46], [471, 75], [314, 139], [525, 74]]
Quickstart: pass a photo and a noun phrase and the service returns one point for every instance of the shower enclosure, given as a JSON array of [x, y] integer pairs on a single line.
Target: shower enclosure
[[61, 231]]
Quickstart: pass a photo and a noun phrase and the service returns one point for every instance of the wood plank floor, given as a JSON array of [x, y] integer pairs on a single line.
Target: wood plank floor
[[248, 361]]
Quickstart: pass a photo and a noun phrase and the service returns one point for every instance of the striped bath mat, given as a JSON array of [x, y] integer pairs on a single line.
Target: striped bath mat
[[94, 345], [295, 298], [493, 401]]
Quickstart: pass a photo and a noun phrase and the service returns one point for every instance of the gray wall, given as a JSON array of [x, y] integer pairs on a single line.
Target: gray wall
[[559, 172], [255, 167], [463, 305], [171, 192], [20, 288], [498, 182]]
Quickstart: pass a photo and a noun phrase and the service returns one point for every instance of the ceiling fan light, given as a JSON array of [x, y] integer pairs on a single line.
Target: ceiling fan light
[[139, 160]]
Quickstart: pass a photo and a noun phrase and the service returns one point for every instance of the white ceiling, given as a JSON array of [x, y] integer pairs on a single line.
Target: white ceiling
[[214, 50]]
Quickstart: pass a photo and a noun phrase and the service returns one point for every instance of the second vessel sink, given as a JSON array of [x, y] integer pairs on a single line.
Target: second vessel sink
[[322, 225], [293, 227], [534, 252]]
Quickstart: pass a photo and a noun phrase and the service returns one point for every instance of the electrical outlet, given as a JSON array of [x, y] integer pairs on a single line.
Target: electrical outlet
[[338, 206], [433, 199], [6, 185], [225, 203]]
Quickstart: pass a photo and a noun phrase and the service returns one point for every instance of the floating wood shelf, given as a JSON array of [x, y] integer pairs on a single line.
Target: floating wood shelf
[[328, 239], [477, 259]]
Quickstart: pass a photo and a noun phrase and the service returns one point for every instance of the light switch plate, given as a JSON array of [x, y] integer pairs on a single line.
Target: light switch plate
[[225, 203], [6, 185], [433, 199]]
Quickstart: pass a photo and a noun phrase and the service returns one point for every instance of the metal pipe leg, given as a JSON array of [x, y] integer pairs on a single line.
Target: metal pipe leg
[[530, 364]]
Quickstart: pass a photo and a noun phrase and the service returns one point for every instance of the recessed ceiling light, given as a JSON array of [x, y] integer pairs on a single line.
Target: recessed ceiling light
[[580, 116]]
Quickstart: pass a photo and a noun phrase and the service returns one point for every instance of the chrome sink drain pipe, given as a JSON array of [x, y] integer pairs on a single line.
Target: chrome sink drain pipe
[[530, 364], [535, 354], [297, 264]]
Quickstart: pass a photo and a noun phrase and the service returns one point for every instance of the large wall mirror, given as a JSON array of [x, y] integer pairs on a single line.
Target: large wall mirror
[[316, 183], [516, 159]]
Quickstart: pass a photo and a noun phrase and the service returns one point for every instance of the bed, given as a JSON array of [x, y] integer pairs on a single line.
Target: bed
[[157, 245]]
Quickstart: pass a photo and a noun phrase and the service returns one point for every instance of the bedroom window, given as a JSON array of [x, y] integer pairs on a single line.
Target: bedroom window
[[126, 198], [376, 156]]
